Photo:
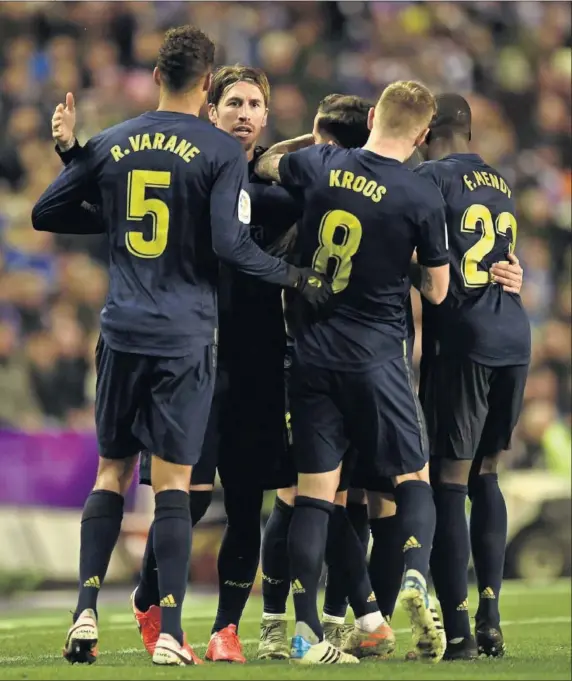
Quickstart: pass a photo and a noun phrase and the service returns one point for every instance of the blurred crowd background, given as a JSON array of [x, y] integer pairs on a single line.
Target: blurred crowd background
[[511, 59]]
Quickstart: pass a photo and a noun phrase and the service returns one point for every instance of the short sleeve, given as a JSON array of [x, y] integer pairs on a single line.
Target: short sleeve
[[432, 239]]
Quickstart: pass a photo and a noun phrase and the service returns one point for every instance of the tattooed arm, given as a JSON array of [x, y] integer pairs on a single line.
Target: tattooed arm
[[267, 166], [431, 282]]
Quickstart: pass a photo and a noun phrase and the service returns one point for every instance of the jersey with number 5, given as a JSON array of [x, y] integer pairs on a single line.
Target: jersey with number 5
[[170, 187], [477, 319], [364, 215]]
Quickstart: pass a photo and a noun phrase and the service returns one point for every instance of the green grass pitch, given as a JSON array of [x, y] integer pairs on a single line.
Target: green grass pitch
[[536, 623]]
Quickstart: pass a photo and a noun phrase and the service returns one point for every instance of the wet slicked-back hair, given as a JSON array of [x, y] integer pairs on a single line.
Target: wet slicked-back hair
[[186, 55], [227, 76], [344, 118]]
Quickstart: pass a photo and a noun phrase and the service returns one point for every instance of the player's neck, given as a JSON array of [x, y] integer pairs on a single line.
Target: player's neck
[[440, 149], [189, 103], [400, 150]]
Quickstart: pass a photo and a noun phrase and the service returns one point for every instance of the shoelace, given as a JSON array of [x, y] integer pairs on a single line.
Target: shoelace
[[272, 632]]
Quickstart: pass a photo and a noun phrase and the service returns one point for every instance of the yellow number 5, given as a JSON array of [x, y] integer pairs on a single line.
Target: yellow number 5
[[138, 207], [473, 216], [350, 230]]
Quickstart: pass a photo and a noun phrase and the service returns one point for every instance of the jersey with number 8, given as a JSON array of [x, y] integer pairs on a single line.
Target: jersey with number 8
[[477, 319], [364, 215]]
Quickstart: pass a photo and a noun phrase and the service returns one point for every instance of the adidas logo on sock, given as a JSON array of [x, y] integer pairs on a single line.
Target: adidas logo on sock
[[411, 543], [297, 587], [464, 606], [168, 602], [371, 598], [488, 593], [93, 582]]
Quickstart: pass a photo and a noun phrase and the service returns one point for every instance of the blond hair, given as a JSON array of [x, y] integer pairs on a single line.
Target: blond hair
[[405, 108]]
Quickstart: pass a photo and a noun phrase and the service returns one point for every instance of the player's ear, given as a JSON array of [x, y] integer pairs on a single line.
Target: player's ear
[[420, 139], [213, 117], [207, 82], [265, 118], [156, 76], [370, 117]]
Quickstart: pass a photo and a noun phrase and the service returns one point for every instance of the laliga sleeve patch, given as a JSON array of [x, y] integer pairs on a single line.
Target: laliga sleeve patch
[[244, 207]]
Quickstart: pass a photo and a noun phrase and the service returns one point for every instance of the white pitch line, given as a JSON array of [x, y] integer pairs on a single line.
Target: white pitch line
[[248, 641]]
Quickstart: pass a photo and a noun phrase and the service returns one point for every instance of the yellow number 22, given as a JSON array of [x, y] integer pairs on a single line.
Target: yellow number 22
[[138, 207], [350, 230], [475, 214]]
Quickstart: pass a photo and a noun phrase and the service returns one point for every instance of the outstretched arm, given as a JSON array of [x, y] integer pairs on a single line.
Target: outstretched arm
[[267, 166]]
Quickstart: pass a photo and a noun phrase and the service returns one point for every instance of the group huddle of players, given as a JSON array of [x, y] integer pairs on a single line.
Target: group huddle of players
[[246, 284]]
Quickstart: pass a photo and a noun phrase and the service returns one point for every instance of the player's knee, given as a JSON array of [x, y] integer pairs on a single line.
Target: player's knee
[[489, 464], [115, 475], [321, 486], [243, 507], [381, 505], [166, 475], [287, 495], [356, 496], [341, 498], [422, 475], [200, 501], [452, 472]]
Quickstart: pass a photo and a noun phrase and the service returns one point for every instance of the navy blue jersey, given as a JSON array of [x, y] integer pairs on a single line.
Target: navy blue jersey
[[171, 188], [250, 311], [477, 319], [364, 215]]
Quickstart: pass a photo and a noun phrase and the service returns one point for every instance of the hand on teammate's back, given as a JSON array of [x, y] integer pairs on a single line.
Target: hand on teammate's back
[[508, 274], [314, 287]]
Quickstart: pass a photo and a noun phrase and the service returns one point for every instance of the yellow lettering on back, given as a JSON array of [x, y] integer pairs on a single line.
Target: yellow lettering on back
[[158, 140], [182, 148], [145, 142], [504, 188], [171, 143], [359, 183], [335, 178], [379, 194], [495, 181], [116, 152], [478, 178], [135, 142], [468, 182], [347, 179], [486, 178], [370, 188], [193, 151]]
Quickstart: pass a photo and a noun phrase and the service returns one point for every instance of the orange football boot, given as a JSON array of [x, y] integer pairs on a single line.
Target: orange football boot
[[148, 623], [225, 646]]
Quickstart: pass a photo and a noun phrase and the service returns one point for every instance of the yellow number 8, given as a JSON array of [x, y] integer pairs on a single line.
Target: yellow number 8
[[341, 253], [475, 214], [138, 207]]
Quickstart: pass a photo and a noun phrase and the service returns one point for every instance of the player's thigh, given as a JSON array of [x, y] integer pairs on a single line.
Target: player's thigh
[[319, 440], [505, 398], [174, 418], [384, 419], [455, 403], [121, 381]]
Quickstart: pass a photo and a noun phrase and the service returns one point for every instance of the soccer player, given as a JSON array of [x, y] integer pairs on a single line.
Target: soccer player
[[476, 352], [171, 192], [364, 216], [342, 121]]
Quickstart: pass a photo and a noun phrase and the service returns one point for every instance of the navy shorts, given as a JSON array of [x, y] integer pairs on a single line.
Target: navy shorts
[[376, 411], [160, 404], [471, 409], [204, 471]]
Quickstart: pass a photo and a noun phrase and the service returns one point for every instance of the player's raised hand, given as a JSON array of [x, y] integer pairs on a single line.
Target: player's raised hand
[[508, 274], [313, 286], [63, 123]]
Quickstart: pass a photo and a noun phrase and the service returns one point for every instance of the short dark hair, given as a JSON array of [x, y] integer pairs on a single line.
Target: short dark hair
[[344, 118], [185, 55], [228, 76], [453, 117]]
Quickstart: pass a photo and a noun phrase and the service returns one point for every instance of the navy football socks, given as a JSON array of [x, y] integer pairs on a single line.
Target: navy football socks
[[488, 541], [275, 566], [450, 559], [416, 518], [386, 562], [346, 560], [100, 527], [306, 548], [172, 544], [239, 554]]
